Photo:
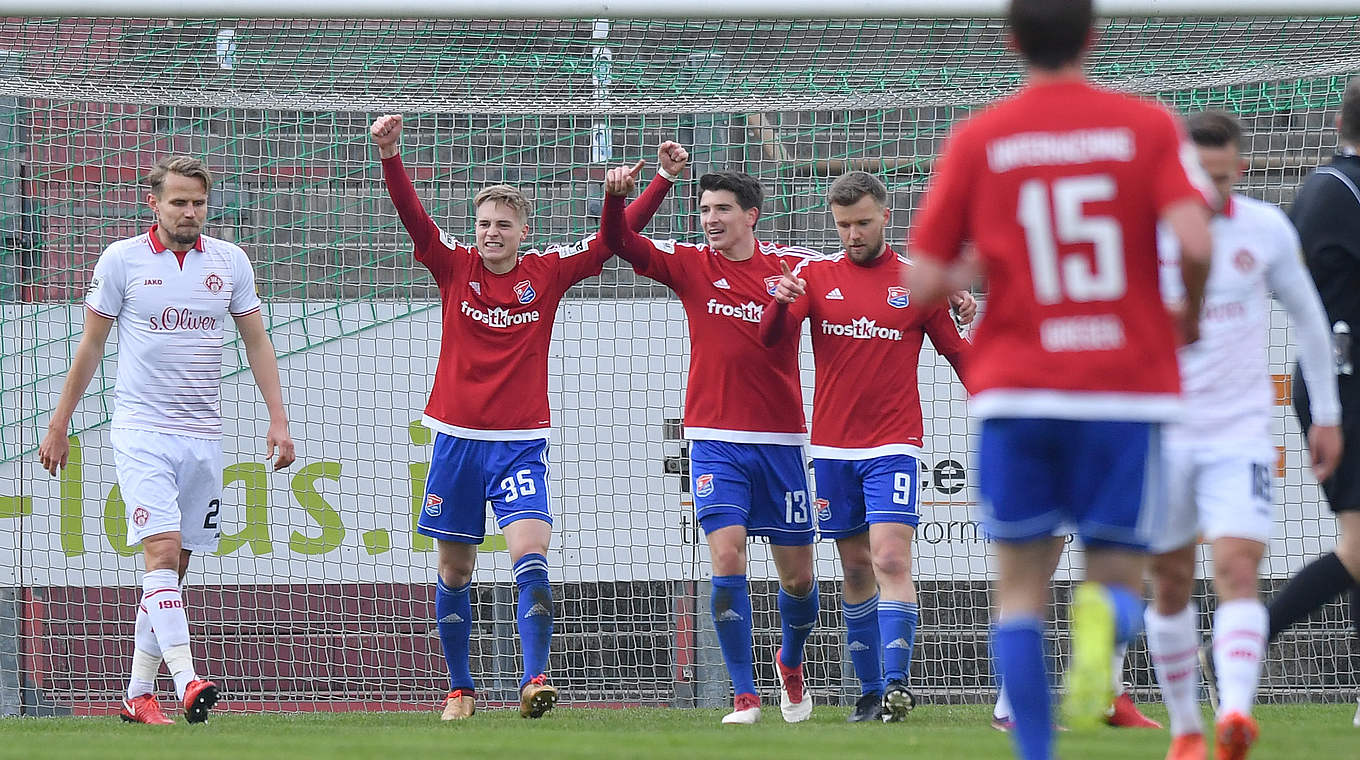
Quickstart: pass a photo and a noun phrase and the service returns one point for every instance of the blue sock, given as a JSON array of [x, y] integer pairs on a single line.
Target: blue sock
[[1128, 613], [861, 637], [731, 604], [1018, 645], [534, 613], [453, 618], [897, 623], [797, 618]]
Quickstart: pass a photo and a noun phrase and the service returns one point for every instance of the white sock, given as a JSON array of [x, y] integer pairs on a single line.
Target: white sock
[[1240, 628], [1173, 644], [1003, 705], [1120, 651], [165, 608], [146, 657]]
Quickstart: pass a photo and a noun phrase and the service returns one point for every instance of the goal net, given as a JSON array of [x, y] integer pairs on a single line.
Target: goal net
[[321, 594]]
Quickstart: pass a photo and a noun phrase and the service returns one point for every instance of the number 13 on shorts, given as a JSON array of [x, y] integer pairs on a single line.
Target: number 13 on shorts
[[796, 507]]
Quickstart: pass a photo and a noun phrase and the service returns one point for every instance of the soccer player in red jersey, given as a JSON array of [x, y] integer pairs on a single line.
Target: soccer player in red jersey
[[744, 418], [499, 307], [1060, 188], [866, 434]]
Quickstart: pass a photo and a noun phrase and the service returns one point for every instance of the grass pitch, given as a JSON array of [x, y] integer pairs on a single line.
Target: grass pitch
[[931, 732]]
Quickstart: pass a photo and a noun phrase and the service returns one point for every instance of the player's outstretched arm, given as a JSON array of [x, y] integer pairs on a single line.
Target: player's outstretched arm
[[1288, 279], [618, 236], [55, 446], [787, 310], [386, 134], [264, 365], [672, 160]]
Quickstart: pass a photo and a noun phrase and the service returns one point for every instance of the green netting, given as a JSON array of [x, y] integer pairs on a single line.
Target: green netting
[[280, 109]]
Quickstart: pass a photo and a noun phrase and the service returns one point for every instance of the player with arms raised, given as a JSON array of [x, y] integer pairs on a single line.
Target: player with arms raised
[[170, 290], [1219, 454], [744, 418], [1060, 188], [866, 431], [489, 403]]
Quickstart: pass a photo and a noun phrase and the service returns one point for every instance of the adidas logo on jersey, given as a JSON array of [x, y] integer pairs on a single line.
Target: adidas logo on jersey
[[898, 643], [862, 328], [835, 295], [499, 317], [729, 614], [858, 646], [536, 610], [721, 282], [452, 617], [747, 312]]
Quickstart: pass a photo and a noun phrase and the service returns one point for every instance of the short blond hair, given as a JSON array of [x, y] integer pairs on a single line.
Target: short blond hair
[[184, 166], [506, 195]]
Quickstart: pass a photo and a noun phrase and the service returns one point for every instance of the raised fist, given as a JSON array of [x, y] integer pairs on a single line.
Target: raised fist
[[386, 133]]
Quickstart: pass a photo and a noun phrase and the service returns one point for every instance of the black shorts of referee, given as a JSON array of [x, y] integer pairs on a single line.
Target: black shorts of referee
[[1343, 487]]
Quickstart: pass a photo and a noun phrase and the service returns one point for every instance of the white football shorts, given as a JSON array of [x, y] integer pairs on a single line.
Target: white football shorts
[[170, 483], [1217, 492]]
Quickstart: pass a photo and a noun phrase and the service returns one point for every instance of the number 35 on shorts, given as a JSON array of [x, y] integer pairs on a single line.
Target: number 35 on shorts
[[519, 484]]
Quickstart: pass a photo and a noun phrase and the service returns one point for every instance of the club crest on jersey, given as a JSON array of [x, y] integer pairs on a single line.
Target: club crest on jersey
[[433, 505], [703, 485], [525, 292], [771, 283], [140, 516], [1244, 261], [823, 509], [213, 282], [476, 287], [898, 298]]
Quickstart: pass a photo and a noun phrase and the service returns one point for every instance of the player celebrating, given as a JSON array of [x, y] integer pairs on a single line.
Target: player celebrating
[[170, 290], [866, 436], [1218, 452], [1060, 188], [498, 314], [744, 417]]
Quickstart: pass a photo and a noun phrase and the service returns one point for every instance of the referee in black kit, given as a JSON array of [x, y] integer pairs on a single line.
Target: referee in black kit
[[1327, 215]]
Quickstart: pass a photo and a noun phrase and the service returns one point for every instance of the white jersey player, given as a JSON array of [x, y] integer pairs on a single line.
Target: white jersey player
[[170, 290], [1219, 456]]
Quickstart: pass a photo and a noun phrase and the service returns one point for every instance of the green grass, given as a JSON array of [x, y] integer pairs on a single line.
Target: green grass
[[930, 733]]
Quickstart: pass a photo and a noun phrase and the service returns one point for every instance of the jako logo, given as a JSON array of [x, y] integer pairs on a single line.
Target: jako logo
[[433, 505], [747, 312], [862, 328], [153, 282], [898, 298], [823, 509], [499, 317], [703, 485], [525, 291]]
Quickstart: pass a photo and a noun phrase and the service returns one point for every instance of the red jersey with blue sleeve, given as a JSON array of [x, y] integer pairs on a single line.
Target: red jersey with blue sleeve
[[739, 390], [1060, 188], [867, 335], [491, 381]]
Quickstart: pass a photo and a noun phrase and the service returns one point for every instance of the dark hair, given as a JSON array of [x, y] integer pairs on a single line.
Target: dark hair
[[850, 187], [185, 166], [747, 188], [1050, 33], [1350, 112], [1214, 129]]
